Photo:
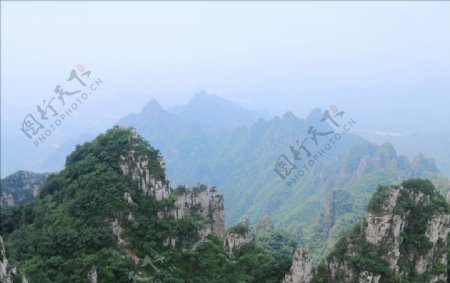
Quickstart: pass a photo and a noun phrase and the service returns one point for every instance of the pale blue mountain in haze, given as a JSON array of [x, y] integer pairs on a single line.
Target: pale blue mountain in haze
[[433, 144], [392, 75], [214, 112], [197, 118], [202, 114]]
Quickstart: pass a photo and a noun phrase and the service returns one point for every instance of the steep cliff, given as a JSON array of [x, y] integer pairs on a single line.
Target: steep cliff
[[20, 187], [135, 164], [237, 237], [404, 236], [203, 202], [8, 272], [302, 270]]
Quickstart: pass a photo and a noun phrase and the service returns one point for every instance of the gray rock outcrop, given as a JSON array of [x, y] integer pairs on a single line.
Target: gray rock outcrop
[[302, 270]]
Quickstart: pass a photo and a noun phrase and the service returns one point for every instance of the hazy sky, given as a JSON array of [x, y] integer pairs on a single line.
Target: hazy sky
[[386, 63]]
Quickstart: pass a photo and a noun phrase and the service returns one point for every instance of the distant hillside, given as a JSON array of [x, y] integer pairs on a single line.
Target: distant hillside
[[214, 112], [204, 112], [430, 144], [20, 187]]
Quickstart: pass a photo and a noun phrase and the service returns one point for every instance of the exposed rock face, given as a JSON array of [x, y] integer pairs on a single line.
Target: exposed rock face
[[237, 237], [368, 277], [217, 213], [7, 272], [302, 270], [264, 225], [404, 235], [436, 232], [385, 228], [234, 241], [200, 201], [136, 165], [117, 230], [92, 275], [20, 187]]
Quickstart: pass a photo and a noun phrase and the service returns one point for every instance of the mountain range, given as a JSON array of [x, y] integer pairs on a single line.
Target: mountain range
[[111, 215], [214, 141], [241, 161]]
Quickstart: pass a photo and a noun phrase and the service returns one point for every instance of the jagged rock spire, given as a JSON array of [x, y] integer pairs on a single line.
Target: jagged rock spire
[[302, 270]]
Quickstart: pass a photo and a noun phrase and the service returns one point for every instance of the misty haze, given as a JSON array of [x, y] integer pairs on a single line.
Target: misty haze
[[218, 141]]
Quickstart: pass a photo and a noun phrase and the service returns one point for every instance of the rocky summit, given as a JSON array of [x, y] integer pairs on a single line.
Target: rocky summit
[[403, 238]]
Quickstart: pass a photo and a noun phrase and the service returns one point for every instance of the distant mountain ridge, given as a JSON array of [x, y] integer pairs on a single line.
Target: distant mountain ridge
[[430, 144], [205, 111], [214, 112]]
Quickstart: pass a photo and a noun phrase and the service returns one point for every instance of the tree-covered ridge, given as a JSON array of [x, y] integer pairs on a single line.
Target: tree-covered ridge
[[93, 221]]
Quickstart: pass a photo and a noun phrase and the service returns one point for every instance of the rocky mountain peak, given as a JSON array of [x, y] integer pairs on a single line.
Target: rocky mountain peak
[[404, 236], [151, 106], [135, 163], [302, 270], [214, 112]]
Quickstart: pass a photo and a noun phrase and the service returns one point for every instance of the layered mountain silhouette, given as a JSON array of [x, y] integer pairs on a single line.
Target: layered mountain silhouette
[[215, 141], [241, 161]]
